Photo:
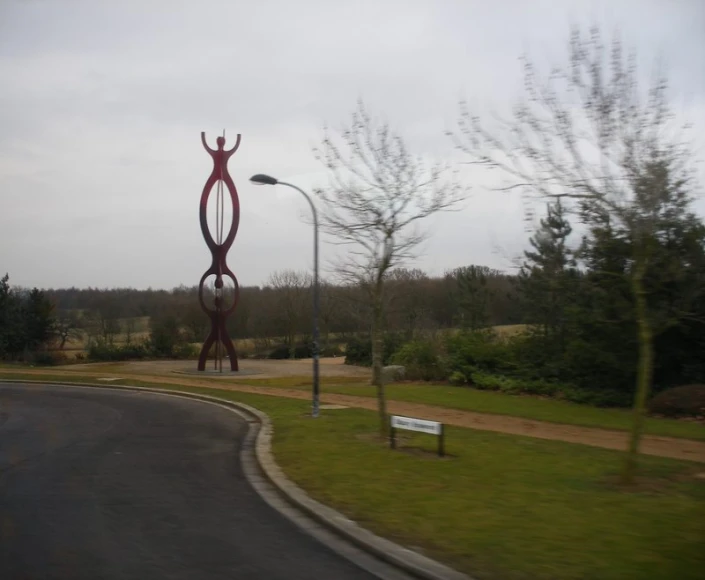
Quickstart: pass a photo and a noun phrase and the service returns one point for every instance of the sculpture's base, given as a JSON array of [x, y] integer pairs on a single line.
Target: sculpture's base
[[211, 372]]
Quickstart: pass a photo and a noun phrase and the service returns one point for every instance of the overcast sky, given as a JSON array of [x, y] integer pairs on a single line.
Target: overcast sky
[[103, 102]]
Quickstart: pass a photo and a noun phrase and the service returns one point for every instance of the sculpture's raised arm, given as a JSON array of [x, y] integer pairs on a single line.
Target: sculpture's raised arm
[[237, 144], [203, 140]]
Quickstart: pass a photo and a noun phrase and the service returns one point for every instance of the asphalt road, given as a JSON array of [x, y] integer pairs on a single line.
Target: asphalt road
[[102, 484]]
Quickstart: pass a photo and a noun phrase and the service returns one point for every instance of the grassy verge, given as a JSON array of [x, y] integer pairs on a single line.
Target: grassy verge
[[461, 398], [467, 399], [502, 507]]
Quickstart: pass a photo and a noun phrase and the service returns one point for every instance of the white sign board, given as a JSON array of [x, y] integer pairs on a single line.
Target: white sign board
[[411, 424]]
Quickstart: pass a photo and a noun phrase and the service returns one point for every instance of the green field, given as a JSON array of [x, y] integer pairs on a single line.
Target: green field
[[501, 506]]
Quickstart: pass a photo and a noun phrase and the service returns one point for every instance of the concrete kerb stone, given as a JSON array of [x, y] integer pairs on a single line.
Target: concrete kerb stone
[[261, 430]]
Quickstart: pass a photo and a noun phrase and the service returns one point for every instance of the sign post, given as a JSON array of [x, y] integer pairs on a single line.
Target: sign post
[[419, 425]]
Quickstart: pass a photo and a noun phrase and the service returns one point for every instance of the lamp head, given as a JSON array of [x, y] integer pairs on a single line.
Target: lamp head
[[262, 179]]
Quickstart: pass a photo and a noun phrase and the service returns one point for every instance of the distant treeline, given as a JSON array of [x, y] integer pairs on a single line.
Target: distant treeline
[[474, 296]]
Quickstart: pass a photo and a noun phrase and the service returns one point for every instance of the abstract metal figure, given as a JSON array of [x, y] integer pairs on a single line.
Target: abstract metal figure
[[219, 248]]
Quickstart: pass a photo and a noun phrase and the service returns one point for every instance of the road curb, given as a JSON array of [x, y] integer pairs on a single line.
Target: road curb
[[404, 559]]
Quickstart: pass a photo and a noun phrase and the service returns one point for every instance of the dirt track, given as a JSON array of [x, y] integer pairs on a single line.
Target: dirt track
[[651, 445]]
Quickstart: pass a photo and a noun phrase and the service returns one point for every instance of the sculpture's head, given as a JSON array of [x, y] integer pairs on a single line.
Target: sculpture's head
[[221, 142]]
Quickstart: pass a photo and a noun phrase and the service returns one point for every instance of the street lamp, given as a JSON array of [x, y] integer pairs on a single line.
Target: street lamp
[[261, 179]]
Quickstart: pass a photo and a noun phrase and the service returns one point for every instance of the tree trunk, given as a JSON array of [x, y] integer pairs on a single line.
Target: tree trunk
[[644, 374], [377, 362]]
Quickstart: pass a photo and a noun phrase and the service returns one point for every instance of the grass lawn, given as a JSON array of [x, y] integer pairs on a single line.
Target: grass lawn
[[467, 399], [502, 507]]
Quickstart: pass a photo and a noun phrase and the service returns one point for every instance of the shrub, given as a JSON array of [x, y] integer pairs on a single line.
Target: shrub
[[134, 351], [283, 351], [469, 352], [543, 387], [303, 350], [166, 335], [101, 351], [421, 359], [602, 398], [48, 358], [185, 351], [489, 382], [685, 401], [457, 378], [280, 352], [514, 386], [331, 350], [244, 350], [358, 351]]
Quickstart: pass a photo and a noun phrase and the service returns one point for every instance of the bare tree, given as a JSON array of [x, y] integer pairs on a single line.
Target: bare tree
[[586, 132], [330, 310], [67, 327], [108, 324], [408, 300], [377, 193], [129, 330], [293, 291]]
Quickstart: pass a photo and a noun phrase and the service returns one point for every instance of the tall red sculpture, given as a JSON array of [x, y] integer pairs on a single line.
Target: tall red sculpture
[[219, 247]]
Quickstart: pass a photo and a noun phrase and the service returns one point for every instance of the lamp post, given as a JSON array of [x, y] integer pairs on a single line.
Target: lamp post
[[261, 179]]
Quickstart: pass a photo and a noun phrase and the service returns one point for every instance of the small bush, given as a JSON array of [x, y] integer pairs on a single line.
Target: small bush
[[421, 360], [685, 401], [542, 387], [244, 350], [331, 350], [134, 351], [478, 351], [185, 351], [358, 351], [515, 386], [457, 378], [283, 351], [488, 382], [280, 352], [595, 398], [48, 358], [101, 351], [303, 350], [500, 383]]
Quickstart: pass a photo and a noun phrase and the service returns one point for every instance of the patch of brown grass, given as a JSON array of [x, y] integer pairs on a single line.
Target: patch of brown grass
[[510, 329]]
